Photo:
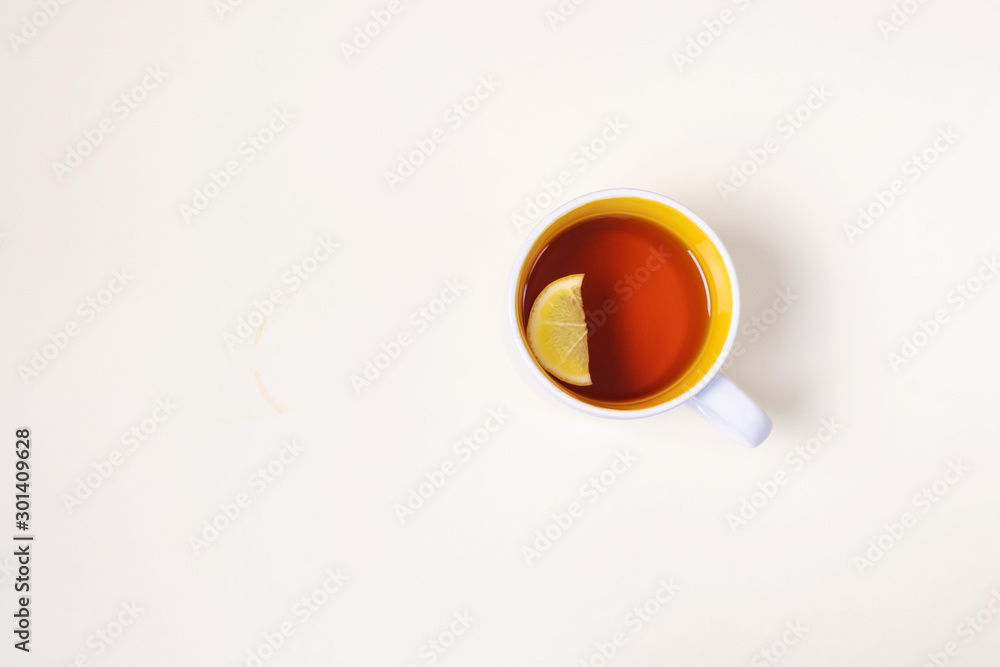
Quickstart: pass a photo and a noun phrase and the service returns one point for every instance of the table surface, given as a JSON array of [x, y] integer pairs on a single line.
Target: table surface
[[367, 478]]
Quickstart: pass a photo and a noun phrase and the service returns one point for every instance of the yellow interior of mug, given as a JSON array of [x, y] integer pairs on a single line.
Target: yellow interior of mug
[[718, 284]]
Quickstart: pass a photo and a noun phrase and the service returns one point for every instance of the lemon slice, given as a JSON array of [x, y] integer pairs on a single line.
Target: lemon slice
[[557, 331]]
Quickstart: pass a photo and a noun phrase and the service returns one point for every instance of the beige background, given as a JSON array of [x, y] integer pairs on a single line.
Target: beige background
[[162, 336]]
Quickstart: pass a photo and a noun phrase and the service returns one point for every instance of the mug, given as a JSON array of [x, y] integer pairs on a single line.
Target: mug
[[703, 388]]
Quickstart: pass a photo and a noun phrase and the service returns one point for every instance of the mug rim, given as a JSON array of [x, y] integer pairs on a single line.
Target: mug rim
[[544, 379]]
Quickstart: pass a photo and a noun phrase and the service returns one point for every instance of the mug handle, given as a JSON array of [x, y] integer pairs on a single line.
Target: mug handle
[[724, 405]]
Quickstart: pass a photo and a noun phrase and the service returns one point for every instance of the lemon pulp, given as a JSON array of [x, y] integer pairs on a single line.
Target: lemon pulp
[[557, 331]]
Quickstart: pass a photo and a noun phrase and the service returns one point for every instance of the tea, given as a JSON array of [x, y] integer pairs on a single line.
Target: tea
[[646, 303]]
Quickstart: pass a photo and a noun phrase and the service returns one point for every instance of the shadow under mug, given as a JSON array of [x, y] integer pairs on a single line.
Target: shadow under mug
[[702, 387]]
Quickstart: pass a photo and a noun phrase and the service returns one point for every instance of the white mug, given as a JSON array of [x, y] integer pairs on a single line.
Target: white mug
[[705, 390]]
